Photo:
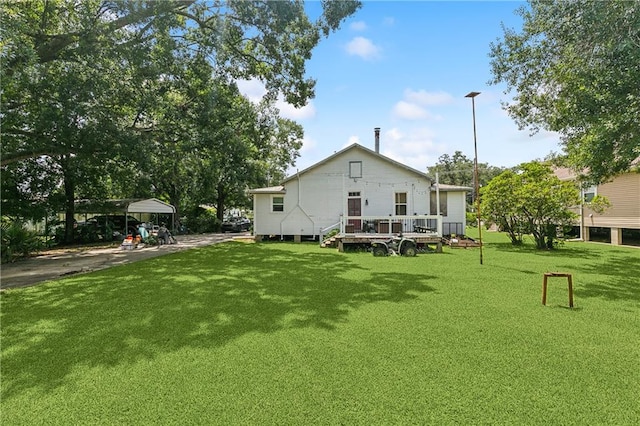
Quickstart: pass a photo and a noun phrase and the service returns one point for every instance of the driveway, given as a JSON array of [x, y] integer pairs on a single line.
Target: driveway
[[56, 264]]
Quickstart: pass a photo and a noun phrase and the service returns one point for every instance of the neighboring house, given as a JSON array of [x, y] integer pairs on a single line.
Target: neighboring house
[[618, 224], [357, 190]]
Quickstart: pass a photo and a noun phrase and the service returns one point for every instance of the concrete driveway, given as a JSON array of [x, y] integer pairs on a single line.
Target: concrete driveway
[[56, 264]]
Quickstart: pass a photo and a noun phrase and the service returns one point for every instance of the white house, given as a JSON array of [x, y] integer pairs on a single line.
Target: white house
[[358, 190]]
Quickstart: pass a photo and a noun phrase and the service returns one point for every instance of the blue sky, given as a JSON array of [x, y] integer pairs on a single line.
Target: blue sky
[[405, 66]]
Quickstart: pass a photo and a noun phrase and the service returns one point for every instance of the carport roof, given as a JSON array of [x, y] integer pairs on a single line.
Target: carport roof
[[130, 205]]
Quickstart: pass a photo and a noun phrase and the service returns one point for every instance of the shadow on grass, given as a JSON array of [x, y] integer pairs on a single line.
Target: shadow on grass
[[609, 270], [620, 280], [200, 299], [564, 251]]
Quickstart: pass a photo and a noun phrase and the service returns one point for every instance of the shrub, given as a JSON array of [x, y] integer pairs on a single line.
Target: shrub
[[151, 240], [332, 233], [472, 219], [17, 241], [203, 220]]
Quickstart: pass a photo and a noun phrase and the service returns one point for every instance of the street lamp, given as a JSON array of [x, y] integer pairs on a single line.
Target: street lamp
[[472, 95]]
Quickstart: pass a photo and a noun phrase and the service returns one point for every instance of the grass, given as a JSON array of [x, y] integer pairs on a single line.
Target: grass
[[279, 333]]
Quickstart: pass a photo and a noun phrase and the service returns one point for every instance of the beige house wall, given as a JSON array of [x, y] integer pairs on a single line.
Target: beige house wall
[[624, 195]]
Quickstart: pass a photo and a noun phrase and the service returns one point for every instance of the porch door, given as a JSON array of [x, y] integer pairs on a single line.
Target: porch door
[[354, 208]]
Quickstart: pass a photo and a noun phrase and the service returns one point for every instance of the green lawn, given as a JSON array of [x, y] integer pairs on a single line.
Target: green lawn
[[283, 333]]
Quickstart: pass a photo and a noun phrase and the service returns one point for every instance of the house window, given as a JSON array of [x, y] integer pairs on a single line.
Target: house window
[[433, 203], [590, 193], [354, 194], [401, 203], [355, 169], [277, 204]]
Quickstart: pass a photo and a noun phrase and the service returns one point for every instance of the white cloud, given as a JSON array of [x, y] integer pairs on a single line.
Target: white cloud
[[409, 111], [394, 134], [293, 113], [388, 21], [253, 89], [358, 26], [363, 47], [412, 106], [308, 144], [352, 140], [416, 147], [423, 97]]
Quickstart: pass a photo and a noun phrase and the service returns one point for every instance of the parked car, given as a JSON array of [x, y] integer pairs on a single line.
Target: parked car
[[117, 223], [236, 224]]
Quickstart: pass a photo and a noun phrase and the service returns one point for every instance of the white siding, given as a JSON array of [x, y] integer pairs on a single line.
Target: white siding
[[267, 222], [325, 189], [456, 207], [316, 198]]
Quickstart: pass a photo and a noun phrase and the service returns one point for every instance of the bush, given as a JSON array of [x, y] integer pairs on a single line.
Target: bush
[[17, 241], [151, 240], [203, 220], [332, 233], [472, 219]]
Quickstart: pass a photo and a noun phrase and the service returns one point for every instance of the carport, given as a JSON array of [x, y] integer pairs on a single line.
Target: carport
[[126, 206], [152, 205]]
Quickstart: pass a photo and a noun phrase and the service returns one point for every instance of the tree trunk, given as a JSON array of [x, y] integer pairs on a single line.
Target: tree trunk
[[175, 198], [220, 200], [70, 200]]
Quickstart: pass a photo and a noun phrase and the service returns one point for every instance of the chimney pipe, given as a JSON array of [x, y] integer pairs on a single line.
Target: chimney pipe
[[377, 133]]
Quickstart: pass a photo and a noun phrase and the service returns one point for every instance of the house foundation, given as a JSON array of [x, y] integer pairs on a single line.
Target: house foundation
[[616, 236]]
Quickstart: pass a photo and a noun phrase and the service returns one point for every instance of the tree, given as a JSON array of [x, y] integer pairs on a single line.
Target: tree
[[459, 170], [247, 145], [500, 203], [270, 41], [78, 77], [530, 199], [574, 70]]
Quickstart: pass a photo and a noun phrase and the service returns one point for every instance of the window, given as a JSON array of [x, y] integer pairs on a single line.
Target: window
[[590, 193], [433, 203], [354, 194], [401, 203], [355, 169], [277, 204]]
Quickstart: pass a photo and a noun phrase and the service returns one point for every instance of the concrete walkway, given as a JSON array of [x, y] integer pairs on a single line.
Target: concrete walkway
[[56, 264]]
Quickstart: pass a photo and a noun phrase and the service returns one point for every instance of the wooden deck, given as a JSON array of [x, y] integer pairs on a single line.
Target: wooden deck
[[362, 239]]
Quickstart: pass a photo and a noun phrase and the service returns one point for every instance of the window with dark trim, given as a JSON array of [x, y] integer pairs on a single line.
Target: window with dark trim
[[401, 203], [277, 204], [590, 193], [355, 169]]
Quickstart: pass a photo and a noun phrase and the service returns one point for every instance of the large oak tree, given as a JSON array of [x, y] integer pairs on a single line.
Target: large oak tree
[[575, 70], [80, 79]]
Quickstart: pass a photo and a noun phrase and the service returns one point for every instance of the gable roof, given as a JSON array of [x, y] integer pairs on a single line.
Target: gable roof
[[366, 150], [128, 205]]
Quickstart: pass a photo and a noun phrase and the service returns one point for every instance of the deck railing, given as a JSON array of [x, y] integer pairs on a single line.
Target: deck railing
[[326, 230], [391, 224]]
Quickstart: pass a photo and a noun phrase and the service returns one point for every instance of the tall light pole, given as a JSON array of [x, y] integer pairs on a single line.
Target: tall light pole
[[472, 95]]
